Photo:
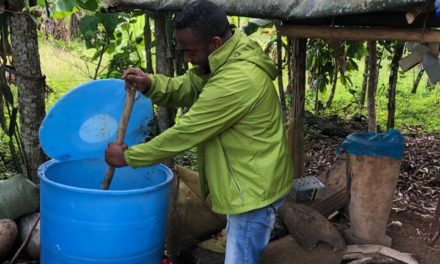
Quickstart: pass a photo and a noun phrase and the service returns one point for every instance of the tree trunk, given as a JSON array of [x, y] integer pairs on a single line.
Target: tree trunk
[[372, 86], [394, 73], [298, 101], [317, 99], [280, 72], [2, 108], [289, 68], [148, 46], [30, 84], [328, 104], [417, 81], [164, 65], [74, 25], [364, 82]]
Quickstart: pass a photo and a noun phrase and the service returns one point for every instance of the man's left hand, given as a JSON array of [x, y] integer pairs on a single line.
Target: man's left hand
[[114, 155]]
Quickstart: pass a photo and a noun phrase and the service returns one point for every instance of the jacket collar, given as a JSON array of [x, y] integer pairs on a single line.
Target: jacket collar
[[221, 55]]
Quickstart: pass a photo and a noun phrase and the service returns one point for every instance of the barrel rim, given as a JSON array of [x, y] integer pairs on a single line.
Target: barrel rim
[[49, 163]]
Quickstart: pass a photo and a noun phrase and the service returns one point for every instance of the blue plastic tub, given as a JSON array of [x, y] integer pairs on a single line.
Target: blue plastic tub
[[80, 223]]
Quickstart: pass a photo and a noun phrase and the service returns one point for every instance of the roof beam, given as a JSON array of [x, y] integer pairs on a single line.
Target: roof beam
[[375, 19], [361, 33]]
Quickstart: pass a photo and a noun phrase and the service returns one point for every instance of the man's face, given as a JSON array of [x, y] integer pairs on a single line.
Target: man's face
[[195, 49]]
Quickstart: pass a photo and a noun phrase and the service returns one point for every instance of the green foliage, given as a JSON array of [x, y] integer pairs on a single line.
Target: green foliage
[[127, 46], [105, 33], [255, 24], [62, 8], [320, 63]]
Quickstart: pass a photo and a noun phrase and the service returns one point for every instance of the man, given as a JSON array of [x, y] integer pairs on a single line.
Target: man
[[234, 119]]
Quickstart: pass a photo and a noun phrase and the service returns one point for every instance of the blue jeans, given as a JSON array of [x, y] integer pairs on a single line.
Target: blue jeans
[[248, 234]]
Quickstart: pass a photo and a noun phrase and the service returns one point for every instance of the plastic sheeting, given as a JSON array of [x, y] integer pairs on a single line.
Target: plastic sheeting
[[390, 144], [285, 10]]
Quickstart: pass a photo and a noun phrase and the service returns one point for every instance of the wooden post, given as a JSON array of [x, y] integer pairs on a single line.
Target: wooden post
[[280, 71], [164, 65], [298, 101], [148, 46], [372, 86]]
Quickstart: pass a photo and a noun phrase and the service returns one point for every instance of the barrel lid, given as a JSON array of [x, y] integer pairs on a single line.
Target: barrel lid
[[82, 122]]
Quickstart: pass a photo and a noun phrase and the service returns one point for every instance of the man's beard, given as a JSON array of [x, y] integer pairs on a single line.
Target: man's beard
[[203, 68]]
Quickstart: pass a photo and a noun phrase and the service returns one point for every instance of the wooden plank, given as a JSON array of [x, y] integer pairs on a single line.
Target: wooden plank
[[361, 33], [335, 195]]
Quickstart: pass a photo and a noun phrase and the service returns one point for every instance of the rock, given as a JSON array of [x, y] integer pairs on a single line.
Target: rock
[[286, 250], [25, 225], [8, 234], [308, 227]]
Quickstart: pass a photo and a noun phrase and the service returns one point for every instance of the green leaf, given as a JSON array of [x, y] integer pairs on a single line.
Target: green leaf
[[90, 5], [88, 26], [41, 3], [63, 8], [109, 20]]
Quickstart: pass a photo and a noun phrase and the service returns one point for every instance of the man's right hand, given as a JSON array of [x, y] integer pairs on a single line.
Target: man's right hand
[[135, 78]]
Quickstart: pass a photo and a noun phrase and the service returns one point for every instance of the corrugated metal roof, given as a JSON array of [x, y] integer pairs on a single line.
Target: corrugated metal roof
[[272, 9]]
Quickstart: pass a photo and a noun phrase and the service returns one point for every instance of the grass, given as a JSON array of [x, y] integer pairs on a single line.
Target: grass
[[418, 110], [64, 67]]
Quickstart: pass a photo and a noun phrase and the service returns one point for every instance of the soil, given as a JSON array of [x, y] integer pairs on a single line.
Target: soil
[[411, 237]]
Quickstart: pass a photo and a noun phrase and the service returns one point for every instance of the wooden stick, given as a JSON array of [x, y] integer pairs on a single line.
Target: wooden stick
[[28, 237], [370, 249], [361, 34], [123, 123]]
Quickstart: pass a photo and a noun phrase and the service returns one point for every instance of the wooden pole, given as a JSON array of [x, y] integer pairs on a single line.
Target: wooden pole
[[361, 33], [164, 65], [123, 123], [372, 86], [298, 102]]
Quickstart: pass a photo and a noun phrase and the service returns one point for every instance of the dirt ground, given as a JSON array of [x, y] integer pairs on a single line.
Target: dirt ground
[[411, 237], [413, 208]]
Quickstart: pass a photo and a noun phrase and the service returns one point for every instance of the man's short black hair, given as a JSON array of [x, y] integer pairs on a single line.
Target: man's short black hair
[[204, 18]]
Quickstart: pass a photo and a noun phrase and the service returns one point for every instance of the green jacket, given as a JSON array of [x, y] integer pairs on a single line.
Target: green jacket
[[235, 119]]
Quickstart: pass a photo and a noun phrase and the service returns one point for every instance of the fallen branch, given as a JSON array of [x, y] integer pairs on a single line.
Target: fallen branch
[[372, 249]]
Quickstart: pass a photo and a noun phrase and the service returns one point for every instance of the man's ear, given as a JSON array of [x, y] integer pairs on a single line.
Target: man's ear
[[215, 43]]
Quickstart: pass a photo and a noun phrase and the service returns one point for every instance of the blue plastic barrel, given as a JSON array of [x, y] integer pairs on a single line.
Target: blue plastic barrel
[[80, 223]]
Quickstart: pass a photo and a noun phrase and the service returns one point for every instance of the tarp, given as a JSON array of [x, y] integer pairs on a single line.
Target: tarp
[[390, 144], [273, 9]]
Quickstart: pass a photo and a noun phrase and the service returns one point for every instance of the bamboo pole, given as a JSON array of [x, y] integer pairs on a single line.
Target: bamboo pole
[[361, 33]]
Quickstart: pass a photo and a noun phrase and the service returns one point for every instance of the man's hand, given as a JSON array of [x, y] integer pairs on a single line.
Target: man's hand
[[114, 155], [135, 78]]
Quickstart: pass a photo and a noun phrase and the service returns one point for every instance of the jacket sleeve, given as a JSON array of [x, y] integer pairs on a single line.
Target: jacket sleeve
[[222, 103], [176, 91]]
